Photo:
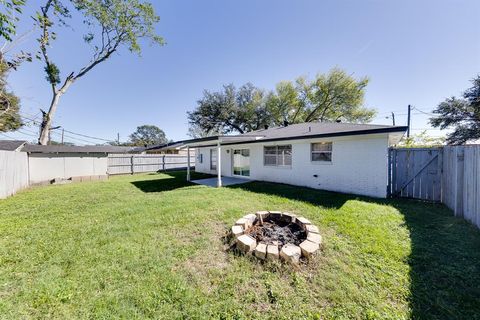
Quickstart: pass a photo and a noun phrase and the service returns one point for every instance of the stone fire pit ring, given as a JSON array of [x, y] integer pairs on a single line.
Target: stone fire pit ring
[[274, 235]]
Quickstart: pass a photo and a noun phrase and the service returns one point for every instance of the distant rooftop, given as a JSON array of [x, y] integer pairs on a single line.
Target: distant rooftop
[[35, 148], [11, 145]]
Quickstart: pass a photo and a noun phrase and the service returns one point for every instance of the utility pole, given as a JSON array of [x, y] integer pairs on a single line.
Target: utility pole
[[63, 133], [118, 138], [409, 120], [393, 118]]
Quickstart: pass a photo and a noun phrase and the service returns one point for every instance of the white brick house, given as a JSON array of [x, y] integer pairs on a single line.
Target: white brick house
[[350, 158]]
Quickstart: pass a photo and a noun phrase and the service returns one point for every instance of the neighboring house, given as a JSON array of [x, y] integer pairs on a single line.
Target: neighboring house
[[69, 162], [12, 145], [59, 162], [169, 148], [343, 157]]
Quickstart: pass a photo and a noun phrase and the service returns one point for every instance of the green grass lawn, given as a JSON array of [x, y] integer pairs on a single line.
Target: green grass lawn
[[151, 246]]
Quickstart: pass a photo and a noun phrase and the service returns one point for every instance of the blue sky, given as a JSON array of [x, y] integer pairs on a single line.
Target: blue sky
[[414, 52]]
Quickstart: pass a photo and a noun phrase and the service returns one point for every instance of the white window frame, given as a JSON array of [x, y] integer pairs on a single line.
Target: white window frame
[[278, 155], [312, 152]]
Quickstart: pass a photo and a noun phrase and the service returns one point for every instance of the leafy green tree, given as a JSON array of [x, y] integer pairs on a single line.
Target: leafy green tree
[[334, 96], [230, 110], [113, 24], [461, 114], [285, 104], [422, 140], [9, 16], [10, 119], [194, 131], [331, 97], [147, 135]]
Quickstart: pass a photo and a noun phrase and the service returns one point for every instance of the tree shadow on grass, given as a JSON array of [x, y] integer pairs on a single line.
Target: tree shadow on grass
[[167, 181], [445, 250], [322, 198]]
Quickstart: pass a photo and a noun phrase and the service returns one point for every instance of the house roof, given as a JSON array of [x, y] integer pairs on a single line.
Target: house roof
[[306, 130], [165, 146], [35, 148], [309, 129], [11, 145]]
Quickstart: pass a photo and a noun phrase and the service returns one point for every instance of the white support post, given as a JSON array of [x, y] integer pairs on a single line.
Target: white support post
[[188, 163], [219, 164]]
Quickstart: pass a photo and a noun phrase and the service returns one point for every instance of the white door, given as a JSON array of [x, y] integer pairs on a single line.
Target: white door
[[241, 162]]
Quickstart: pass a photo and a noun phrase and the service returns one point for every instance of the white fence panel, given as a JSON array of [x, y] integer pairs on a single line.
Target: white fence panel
[[13, 172], [138, 163]]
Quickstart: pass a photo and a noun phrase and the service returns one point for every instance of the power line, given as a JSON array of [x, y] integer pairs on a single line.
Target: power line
[[74, 133], [90, 137], [6, 136], [71, 139], [424, 112], [27, 134]]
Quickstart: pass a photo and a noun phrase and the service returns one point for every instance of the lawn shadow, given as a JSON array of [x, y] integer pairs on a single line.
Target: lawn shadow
[[167, 181], [445, 250], [321, 198]]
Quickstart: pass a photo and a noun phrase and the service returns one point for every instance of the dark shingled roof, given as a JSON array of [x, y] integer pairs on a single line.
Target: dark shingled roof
[[308, 129], [11, 145], [35, 148]]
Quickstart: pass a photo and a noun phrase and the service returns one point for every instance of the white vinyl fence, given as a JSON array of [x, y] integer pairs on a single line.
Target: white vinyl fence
[[13, 172], [138, 163]]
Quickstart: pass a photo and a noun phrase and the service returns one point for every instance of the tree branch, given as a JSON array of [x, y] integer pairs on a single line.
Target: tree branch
[[44, 39]]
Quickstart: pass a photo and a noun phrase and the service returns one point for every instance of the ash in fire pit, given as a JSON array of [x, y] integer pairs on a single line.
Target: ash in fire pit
[[273, 234], [277, 232]]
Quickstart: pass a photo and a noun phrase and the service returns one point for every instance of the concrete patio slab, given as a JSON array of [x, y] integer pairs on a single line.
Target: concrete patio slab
[[226, 181]]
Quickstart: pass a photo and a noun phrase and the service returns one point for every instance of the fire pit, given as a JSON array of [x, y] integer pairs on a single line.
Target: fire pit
[[271, 235]]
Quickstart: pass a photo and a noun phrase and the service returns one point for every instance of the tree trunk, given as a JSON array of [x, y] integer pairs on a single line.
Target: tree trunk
[[47, 120], [48, 117]]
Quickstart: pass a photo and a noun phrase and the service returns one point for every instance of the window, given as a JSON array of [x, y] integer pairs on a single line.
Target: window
[[213, 159], [241, 162], [200, 158], [277, 155], [322, 152]]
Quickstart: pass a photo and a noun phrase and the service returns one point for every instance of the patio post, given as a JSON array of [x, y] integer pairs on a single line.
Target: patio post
[[219, 164], [188, 163]]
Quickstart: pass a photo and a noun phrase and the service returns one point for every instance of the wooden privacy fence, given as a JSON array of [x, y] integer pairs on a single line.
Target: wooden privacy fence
[[450, 175], [461, 181], [416, 173], [138, 163]]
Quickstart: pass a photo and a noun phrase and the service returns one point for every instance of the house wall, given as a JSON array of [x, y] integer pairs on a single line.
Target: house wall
[[46, 167], [359, 165]]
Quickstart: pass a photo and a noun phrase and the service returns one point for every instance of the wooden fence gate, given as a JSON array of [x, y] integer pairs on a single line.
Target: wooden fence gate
[[416, 173]]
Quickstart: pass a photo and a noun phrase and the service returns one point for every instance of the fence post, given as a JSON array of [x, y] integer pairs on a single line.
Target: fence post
[[459, 157], [132, 165], [389, 173], [163, 163]]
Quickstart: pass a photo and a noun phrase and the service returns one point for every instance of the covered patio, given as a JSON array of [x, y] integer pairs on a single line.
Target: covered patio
[[218, 142], [226, 181]]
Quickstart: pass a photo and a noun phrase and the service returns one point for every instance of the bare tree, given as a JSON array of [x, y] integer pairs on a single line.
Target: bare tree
[[117, 23]]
